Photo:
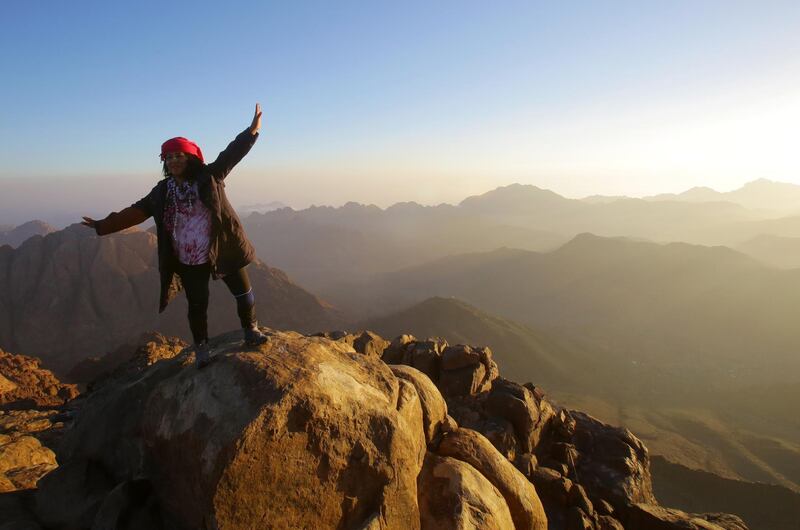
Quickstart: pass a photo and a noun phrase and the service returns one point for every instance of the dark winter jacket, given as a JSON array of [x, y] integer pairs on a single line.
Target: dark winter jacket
[[230, 249]]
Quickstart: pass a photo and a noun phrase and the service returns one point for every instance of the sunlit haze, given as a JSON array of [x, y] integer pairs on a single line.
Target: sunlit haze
[[380, 102]]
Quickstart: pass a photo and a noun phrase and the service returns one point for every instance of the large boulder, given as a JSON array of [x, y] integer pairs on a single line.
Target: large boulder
[[520, 495], [434, 407], [370, 343], [303, 432], [453, 495], [466, 370], [26, 441], [425, 356], [395, 352], [23, 461], [521, 407], [612, 463]]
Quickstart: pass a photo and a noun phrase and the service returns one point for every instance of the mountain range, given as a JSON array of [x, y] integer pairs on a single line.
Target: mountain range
[[327, 248], [761, 194], [71, 295], [657, 306]]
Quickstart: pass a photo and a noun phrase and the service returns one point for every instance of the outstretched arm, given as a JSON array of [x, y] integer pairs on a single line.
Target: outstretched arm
[[134, 214], [237, 149], [116, 221]]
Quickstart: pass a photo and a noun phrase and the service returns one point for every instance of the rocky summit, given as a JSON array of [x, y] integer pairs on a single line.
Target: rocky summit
[[25, 384], [340, 431]]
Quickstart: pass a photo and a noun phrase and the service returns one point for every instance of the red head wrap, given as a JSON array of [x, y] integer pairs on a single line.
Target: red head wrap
[[181, 145]]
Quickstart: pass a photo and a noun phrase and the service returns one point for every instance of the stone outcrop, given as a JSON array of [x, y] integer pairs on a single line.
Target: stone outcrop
[[520, 495], [302, 432], [30, 424], [23, 461], [613, 463], [588, 475], [434, 407], [133, 357], [25, 384], [453, 495], [335, 430], [27, 439], [102, 292]]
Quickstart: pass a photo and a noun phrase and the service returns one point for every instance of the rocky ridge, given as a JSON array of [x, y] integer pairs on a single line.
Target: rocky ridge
[[31, 420], [24, 384], [589, 475], [342, 431], [137, 355]]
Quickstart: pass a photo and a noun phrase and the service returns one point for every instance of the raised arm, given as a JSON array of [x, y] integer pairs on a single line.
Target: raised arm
[[237, 149]]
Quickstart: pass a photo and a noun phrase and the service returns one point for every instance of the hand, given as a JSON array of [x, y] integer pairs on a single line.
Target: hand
[[88, 221], [256, 125]]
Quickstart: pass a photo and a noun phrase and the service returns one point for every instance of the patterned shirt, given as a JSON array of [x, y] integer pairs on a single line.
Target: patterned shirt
[[188, 221]]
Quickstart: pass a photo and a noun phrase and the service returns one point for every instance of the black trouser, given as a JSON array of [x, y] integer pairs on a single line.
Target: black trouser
[[195, 282]]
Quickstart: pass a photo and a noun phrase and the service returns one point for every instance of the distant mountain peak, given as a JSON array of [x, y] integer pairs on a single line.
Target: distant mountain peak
[[16, 235], [516, 197], [698, 190], [763, 180], [587, 240], [405, 206], [763, 183]]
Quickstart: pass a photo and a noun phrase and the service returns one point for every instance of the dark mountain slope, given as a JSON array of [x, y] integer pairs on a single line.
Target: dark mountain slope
[[760, 505], [72, 295], [674, 304], [517, 348]]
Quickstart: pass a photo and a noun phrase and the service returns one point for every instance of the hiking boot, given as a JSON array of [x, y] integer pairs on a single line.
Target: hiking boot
[[202, 354], [253, 336]]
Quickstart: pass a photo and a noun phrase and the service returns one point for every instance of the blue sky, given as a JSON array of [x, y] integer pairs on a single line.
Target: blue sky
[[430, 101]]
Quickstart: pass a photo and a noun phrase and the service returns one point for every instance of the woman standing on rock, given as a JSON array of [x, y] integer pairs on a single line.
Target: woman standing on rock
[[199, 234]]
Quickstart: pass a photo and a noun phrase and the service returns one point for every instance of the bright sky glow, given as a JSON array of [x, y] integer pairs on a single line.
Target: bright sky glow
[[383, 102]]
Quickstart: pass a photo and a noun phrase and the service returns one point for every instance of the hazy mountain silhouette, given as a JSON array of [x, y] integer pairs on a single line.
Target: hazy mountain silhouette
[[685, 320], [15, 235], [332, 249], [595, 199], [323, 245], [761, 194], [778, 251], [259, 207], [696, 194], [525, 205], [103, 292]]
